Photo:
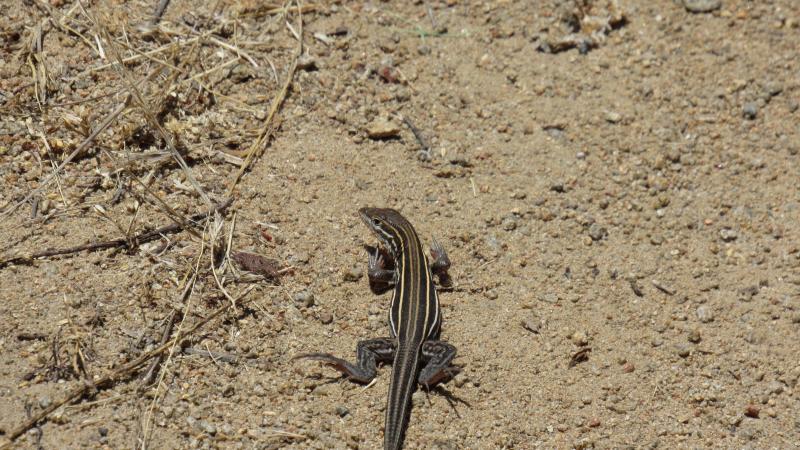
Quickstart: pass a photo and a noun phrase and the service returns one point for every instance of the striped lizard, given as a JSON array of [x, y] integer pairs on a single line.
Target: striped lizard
[[414, 349]]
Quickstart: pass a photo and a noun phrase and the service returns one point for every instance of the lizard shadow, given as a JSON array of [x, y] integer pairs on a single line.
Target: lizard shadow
[[451, 398]]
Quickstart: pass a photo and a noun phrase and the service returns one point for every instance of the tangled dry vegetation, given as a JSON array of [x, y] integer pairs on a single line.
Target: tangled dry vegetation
[[130, 127]]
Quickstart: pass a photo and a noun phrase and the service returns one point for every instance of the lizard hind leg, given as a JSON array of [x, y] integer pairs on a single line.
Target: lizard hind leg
[[368, 354], [437, 356]]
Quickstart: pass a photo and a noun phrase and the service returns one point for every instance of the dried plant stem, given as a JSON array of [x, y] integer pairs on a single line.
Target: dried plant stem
[[150, 374], [148, 114], [123, 243], [268, 129], [186, 296]]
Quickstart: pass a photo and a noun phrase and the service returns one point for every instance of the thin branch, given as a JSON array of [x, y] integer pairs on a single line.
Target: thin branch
[[150, 374], [139, 239]]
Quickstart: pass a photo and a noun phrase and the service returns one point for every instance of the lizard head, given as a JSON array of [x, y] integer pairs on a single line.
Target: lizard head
[[387, 225]]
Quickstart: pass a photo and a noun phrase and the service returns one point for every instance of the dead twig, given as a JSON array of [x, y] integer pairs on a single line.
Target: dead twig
[[160, 9], [150, 374], [662, 288], [139, 239], [423, 144], [109, 379], [216, 356]]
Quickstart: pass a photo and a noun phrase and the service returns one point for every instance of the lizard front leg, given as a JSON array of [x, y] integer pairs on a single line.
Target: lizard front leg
[[381, 278], [437, 356], [368, 354], [441, 264]]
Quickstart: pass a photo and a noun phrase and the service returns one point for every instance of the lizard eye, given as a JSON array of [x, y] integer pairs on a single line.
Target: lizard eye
[[376, 221]]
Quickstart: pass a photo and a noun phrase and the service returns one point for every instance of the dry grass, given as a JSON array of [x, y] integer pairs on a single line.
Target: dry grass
[[147, 86]]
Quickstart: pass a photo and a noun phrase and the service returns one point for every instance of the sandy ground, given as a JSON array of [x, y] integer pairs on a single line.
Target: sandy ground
[[617, 188]]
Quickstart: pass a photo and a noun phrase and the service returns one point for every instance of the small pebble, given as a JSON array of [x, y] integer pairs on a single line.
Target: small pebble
[[259, 390], [613, 117], [307, 63], [353, 274], [705, 314], [701, 6], [227, 429], [550, 297], [728, 235], [580, 338], [342, 411], [299, 258], [103, 431], [775, 387], [597, 232], [207, 427], [773, 88], [752, 411], [531, 325], [382, 129], [694, 336], [509, 223], [628, 368], [304, 298], [45, 401], [750, 110], [325, 317], [682, 350]]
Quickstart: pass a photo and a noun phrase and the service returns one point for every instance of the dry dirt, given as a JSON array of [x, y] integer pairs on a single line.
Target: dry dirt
[[622, 217]]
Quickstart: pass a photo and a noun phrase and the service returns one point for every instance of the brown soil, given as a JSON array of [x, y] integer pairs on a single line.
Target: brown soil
[[639, 200]]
